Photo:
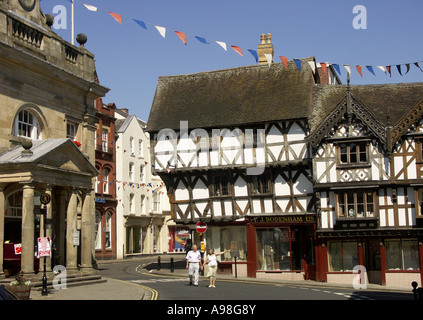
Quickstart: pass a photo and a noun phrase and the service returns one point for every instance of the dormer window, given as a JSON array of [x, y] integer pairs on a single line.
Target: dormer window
[[353, 153]]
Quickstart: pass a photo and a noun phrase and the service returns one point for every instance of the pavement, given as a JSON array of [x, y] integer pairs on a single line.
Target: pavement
[[114, 289]]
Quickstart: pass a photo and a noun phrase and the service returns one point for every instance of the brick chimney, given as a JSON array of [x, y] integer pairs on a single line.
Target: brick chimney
[[265, 47]]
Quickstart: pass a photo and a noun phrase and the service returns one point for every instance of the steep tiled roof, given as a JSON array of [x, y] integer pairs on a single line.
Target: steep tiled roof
[[231, 97]]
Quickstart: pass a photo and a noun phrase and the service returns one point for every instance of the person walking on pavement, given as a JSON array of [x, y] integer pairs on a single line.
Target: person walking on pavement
[[212, 261], [194, 264]]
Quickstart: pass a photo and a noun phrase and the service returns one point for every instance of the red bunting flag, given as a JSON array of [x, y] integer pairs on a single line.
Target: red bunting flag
[[389, 70], [182, 36], [359, 70], [324, 67], [417, 65], [117, 16], [284, 61], [238, 50]]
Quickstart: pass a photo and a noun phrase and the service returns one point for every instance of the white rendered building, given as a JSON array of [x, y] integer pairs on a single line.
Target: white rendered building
[[142, 198]]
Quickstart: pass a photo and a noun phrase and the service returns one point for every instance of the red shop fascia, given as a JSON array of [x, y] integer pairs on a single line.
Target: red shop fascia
[[302, 233]]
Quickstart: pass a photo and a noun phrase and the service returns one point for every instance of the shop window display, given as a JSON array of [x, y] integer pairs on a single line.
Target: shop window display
[[232, 238], [276, 251], [402, 254], [342, 256]]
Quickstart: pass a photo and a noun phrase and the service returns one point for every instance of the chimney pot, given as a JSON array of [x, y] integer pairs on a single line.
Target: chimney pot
[[265, 48]]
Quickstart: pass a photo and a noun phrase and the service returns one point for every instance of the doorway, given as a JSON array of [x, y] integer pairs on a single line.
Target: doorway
[[372, 261]]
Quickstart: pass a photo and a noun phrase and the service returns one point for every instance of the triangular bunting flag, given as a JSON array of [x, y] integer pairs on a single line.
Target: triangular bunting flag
[[408, 68], [222, 44], [382, 68], [284, 61], [324, 67], [312, 66], [254, 53], [237, 50], [417, 65], [90, 7], [162, 31], [348, 69], [140, 23], [202, 40], [359, 70], [269, 58], [389, 70], [399, 69], [182, 36], [370, 68], [336, 66], [117, 16], [298, 64]]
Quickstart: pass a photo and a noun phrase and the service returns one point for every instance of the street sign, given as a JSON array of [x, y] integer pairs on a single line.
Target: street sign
[[201, 227], [45, 198], [44, 248]]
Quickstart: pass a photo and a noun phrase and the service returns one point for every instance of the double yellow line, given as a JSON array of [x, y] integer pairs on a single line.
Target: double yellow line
[[154, 293]]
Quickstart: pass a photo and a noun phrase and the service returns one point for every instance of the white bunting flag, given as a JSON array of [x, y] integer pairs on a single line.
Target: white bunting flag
[[90, 7], [312, 66], [348, 68], [162, 31], [382, 68], [269, 58], [222, 44]]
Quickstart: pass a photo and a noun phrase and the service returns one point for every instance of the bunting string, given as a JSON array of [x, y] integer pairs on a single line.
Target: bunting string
[[164, 31]]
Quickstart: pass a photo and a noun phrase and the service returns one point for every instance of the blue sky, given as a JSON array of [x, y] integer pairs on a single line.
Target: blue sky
[[129, 59]]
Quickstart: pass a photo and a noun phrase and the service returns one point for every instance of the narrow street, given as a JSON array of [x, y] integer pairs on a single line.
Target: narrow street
[[167, 286]]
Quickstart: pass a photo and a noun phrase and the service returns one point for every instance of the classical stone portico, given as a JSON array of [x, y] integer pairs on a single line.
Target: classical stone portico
[[57, 167]]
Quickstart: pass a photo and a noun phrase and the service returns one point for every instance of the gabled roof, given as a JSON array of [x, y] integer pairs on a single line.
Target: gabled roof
[[379, 107], [54, 153], [233, 97]]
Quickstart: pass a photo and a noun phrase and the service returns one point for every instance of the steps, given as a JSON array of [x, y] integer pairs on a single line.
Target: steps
[[71, 281]]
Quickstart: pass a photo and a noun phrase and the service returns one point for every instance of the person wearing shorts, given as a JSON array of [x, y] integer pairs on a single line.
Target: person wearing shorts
[[212, 262]]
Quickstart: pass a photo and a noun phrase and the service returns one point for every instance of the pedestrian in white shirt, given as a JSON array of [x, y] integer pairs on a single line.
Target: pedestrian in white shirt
[[194, 264], [212, 261]]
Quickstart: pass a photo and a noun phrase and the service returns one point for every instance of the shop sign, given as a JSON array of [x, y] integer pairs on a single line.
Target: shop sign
[[18, 248], [100, 200], [284, 219], [44, 248]]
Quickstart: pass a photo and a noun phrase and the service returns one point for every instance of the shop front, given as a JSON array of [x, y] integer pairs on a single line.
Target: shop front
[[389, 258], [282, 247]]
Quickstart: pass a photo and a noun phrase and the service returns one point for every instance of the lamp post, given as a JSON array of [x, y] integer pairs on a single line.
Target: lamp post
[[44, 291], [44, 199]]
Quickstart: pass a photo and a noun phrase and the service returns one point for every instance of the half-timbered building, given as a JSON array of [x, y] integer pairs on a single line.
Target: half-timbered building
[[230, 146], [366, 146]]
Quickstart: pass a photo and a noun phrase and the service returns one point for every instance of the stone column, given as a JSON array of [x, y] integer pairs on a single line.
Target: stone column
[[71, 249], [87, 232], [1, 231], [61, 227], [27, 257]]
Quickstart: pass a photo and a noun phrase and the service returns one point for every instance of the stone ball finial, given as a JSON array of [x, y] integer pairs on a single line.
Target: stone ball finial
[[27, 144], [49, 20], [81, 39]]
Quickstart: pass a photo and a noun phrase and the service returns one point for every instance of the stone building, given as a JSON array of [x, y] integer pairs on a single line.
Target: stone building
[[48, 88]]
